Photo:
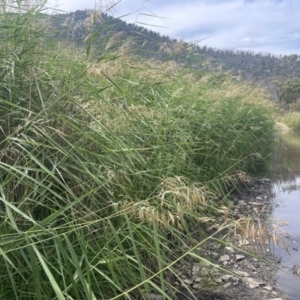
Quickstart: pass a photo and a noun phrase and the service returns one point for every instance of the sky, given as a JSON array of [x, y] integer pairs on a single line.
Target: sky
[[258, 25]]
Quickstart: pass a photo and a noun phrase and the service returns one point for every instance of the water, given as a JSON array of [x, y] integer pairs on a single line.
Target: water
[[286, 188]]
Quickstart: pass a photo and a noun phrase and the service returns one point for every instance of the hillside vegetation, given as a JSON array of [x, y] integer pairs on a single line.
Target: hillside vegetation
[[107, 167], [275, 73]]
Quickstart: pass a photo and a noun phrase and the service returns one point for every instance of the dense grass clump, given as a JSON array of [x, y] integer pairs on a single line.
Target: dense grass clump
[[105, 166], [292, 120]]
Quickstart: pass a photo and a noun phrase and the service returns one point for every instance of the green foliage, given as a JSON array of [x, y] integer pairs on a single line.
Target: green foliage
[[290, 92], [105, 165], [292, 120]]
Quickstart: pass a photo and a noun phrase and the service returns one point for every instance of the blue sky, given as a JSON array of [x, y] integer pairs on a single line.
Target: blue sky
[[258, 25]]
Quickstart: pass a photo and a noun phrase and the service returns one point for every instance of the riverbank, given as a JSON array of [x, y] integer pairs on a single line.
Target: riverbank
[[108, 161], [245, 267]]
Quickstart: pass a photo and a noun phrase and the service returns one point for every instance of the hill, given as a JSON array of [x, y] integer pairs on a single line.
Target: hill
[[109, 34]]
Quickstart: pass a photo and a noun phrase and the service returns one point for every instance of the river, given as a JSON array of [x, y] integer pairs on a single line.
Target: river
[[286, 187]]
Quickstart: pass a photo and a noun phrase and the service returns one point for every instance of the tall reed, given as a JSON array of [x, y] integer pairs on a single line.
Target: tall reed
[[104, 166]]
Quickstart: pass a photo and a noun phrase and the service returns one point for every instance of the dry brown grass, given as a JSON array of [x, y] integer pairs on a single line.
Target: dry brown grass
[[175, 198], [256, 232]]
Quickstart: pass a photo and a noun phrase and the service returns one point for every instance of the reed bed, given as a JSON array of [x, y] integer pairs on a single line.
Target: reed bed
[[104, 166]]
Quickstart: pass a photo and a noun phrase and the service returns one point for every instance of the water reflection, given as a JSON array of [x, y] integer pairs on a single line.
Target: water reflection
[[286, 160], [286, 187]]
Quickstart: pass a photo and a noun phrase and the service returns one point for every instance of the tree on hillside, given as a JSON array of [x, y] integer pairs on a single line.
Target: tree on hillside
[[290, 92]]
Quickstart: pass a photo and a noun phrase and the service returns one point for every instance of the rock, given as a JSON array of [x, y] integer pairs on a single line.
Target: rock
[[226, 277], [196, 269], [224, 258], [249, 266], [296, 270], [196, 286], [197, 279], [214, 254], [254, 203], [242, 273], [227, 285], [243, 243], [254, 283], [225, 263], [229, 250], [187, 281], [268, 288], [239, 257]]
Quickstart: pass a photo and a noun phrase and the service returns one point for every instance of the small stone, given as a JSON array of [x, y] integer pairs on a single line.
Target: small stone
[[253, 203], [229, 250], [225, 277], [196, 269], [268, 288], [187, 281], [225, 263], [253, 283], [242, 273], [296, 270], [250, 266], [239, 257], [243, 243], [197, 279], [276, 299], [226, 285], [196, 286], [224, 258]]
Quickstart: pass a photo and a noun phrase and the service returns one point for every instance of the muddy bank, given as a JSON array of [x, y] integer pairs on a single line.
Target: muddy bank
[[237, 274]]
